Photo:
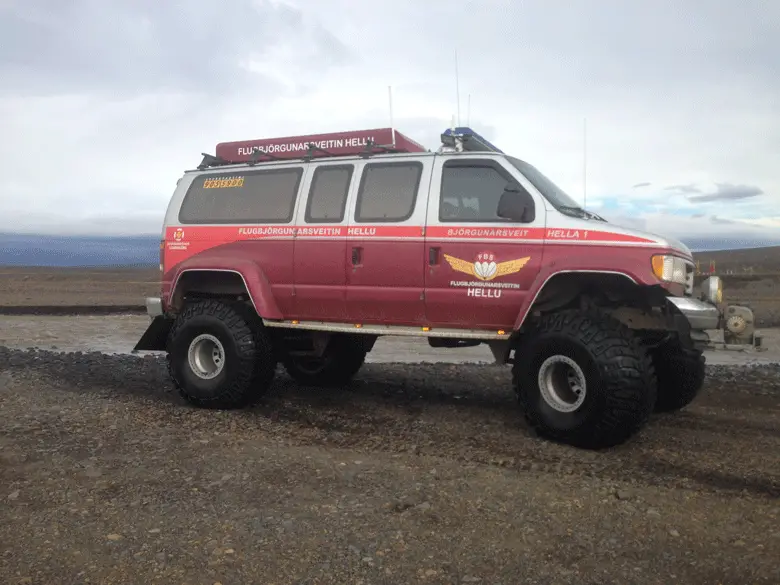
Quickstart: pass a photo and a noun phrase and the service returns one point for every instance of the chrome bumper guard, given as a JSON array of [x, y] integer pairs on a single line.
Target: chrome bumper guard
[[700, 315]]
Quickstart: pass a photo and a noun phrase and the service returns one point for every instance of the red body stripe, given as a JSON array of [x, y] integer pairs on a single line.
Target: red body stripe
[[192, 233]]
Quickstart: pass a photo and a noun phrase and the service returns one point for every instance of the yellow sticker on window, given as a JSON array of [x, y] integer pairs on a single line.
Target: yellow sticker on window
[[223, 182]]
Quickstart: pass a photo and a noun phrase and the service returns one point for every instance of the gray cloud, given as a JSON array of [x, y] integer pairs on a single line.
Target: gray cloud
[[727, 191], [720, 220], [136, 46], [683, 188], [129, 92]]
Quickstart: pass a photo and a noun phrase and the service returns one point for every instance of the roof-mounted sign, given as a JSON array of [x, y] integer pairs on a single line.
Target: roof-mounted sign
[[318, 145]]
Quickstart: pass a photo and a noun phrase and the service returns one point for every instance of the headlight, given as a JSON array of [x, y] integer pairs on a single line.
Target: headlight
[[712, 290], [670, 268]]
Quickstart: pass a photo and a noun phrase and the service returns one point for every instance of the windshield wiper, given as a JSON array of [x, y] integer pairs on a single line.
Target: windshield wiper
[[595, 216], [573, 210], [580, 212]]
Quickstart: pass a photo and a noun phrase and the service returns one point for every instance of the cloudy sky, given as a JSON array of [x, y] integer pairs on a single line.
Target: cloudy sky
[[104, 103]]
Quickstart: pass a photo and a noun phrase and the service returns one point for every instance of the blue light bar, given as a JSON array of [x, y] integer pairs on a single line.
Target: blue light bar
[[472, 141]]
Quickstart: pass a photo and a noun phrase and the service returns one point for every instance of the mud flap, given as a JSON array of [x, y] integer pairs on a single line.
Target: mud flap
[[155, 336]]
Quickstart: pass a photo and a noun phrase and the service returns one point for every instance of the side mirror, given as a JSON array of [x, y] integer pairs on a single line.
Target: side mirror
[[516, 204]]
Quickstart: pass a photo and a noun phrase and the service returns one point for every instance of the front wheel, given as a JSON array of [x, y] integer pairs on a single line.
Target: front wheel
[[681, 374], [584, 379], [219, 356]]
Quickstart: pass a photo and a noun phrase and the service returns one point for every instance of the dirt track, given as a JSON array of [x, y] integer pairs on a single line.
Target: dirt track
[[80, 287]]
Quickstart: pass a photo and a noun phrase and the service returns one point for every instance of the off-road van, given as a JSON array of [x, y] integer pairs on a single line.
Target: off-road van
[[304, 250]]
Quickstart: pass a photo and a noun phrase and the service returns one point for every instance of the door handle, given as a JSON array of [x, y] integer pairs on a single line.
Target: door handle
[[356, 256], [433, 256]]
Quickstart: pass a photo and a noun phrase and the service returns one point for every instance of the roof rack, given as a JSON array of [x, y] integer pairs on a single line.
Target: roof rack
[[464, 139], [363, 143]]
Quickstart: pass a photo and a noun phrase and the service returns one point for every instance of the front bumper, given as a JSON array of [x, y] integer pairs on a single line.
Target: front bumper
[[700, 315]]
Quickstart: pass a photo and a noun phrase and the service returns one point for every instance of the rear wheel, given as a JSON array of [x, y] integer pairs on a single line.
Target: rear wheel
[[584, 379], [343, 357], [219, 355], [681, 374]]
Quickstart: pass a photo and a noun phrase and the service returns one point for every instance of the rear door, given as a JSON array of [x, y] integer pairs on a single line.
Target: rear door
[[385, 253], [319, 265], [480, 267]]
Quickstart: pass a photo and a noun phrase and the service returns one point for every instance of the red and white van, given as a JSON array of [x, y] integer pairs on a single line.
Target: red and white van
[[303, 250]]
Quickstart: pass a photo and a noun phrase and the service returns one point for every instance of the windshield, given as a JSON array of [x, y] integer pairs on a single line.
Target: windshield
[[546, 187]]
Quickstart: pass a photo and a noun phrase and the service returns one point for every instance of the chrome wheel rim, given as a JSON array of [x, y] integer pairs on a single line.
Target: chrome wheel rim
[[562, 383], [206, 356]]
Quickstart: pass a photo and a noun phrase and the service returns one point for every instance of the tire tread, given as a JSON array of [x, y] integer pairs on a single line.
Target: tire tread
[[627, 374], [681, 376], [255, 369]]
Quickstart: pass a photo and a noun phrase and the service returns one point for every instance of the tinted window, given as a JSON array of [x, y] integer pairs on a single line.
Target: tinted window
[[471, 191], [242, 197], [388, 191], [328, 195]]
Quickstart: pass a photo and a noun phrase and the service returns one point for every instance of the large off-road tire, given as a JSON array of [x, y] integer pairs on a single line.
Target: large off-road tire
[[219, 356], [583, 378], [681, 374], [343, 357]]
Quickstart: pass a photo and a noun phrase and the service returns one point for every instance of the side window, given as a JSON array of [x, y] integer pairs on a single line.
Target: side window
[[250, 196], [388, 191], [328, 194], [471, 190]]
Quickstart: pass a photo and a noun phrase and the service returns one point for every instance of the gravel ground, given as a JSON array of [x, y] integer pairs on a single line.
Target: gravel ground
[[119, 334], [414, 474]]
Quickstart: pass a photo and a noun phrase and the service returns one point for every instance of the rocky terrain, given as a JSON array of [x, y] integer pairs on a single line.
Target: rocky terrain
[[414, 474]]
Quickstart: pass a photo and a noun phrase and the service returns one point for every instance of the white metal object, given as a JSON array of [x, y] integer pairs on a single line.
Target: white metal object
[[562, 383], [206, 356], [712, 290]]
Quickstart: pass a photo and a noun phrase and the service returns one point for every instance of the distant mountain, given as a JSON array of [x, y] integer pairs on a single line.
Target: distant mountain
[[731, 243], [65, 251]]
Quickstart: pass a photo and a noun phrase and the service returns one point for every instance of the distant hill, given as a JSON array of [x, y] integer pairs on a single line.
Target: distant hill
[[143, 251], [742, 261], [62, 251], [728, 244]]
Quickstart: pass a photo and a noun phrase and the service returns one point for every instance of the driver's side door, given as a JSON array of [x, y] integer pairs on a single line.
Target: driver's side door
[[480, 267]]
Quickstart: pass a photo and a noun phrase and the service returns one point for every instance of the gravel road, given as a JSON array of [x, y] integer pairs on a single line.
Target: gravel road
[[414, 474], [119, 334]]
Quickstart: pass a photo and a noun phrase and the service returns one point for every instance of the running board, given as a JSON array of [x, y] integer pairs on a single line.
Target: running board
[[402, 330]]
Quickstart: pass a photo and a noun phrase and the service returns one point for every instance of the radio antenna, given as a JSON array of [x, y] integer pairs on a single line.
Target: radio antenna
[[584, 162], [468, 113], [457, 85], [390, 97]]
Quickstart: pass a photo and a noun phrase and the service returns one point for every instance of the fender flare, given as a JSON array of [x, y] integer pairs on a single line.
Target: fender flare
[[255, 281], [544, 277]]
